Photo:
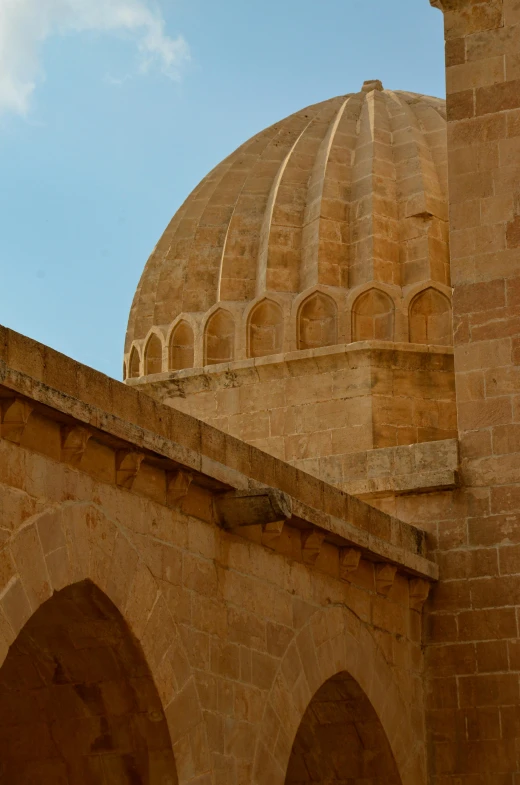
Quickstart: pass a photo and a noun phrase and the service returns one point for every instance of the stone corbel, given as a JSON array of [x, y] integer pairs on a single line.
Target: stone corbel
[[385, 576], [271, 533], [349, 559], [253, 508], [74, 440], [15, 416], [128, 463], [419, 590], [177, 487], [312, 540]]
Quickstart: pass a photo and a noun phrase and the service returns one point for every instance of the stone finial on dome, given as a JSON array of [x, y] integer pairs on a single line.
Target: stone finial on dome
[[372, 84]]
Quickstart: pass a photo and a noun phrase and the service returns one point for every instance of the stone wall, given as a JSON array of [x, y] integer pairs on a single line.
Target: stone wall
[[323, 402], [473, 654], [238, 620]]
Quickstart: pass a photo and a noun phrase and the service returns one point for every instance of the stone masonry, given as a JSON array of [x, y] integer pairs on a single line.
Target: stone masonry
[[171, 599], [316, 578]]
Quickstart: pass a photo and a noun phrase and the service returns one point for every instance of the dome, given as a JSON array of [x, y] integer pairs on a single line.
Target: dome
[[344, 200]]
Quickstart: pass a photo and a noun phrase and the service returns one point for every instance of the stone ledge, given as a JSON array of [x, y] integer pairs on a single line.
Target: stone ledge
[[414, 468], [362, 353], [81, 395]]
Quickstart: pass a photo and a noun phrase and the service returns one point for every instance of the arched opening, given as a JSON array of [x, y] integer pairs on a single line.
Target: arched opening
[[181, 347], [266, 329], [430, 318], [219, 338], [373, 317], [135, 364], [78, 705], [341, 740], [153, 355], [317, 322], [124, 371]]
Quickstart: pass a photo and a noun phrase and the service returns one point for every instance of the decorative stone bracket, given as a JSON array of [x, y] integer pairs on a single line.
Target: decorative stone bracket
[[177, 486], [128, 463], [74, 440], [15, 416], [349, 559], [271, 532], [312, 541], [385, 576]]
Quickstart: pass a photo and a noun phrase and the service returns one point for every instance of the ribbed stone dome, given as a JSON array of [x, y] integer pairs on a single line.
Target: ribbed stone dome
[[339, 195]]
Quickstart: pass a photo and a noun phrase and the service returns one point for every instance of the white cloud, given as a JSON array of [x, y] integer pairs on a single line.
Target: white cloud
[[26, 24]]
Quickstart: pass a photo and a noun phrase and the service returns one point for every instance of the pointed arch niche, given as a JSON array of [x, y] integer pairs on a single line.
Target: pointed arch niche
[[265, 334], [373, 317], [181, 354], [219, 338], [77, 699], [134, 364], [317, 322], [430, 318], [341, 740], [153, 355]]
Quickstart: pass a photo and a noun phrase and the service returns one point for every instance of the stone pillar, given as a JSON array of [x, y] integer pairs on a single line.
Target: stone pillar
[[483, 105], [473, 655]]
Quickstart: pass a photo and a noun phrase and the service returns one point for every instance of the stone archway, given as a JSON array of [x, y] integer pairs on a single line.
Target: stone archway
[[335, 642], [341, 739], [79, 544], [77, 700]]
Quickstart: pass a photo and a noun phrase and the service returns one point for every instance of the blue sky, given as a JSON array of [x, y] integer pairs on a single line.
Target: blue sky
[[108, 120]]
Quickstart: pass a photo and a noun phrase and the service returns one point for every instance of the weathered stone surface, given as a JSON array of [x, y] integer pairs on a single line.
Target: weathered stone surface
[[180, 606], [153, 613]]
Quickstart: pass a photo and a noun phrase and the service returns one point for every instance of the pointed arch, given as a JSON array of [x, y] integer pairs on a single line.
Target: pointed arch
[[341, 739], [373, 316], [265, 329], [181, 350], [430, 319], [317, 322], [134, 364], [153, 355], [78, 700], [336, 642], [80, 548], [219, 338]]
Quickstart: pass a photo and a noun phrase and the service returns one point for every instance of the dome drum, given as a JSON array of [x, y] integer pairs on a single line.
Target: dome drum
[[278, 324]]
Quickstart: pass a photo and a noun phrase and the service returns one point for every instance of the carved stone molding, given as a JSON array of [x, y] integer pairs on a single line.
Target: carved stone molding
[[177, 486], [15, 415], [128, 463], [385, 576], [312, 540], [271, 533], [74, 440], [349, 559]]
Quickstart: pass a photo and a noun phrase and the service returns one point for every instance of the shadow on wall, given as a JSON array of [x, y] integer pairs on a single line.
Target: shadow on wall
[[341, 740], [77, 700]]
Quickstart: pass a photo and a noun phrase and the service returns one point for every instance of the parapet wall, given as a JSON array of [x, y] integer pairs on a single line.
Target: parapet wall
[[322, 403]]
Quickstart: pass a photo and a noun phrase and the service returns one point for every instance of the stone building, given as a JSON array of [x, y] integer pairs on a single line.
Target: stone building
[[287, 549]]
